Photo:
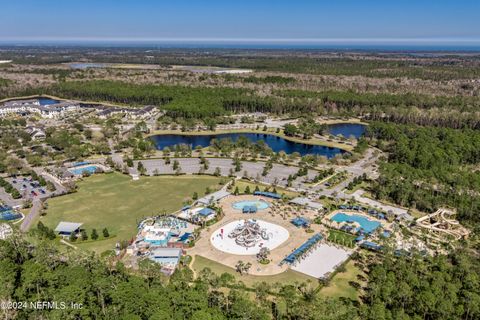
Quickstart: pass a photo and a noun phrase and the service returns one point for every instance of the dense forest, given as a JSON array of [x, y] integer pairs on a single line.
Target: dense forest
[[179, 101], [428, 167], [210, 102], [399, 288], [441, 287], [347, 63], [4, 82]]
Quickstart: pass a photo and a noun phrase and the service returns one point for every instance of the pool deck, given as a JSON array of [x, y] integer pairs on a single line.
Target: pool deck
[[204, 247], [322, 260], [328, 218]]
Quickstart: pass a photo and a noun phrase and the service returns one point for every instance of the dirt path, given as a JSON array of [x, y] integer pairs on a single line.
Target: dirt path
[[191, 267]]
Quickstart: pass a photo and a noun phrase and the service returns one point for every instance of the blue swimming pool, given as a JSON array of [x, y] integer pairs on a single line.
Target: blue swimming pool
[[260, 205], [80, 171], [366, 224], [9, 215]]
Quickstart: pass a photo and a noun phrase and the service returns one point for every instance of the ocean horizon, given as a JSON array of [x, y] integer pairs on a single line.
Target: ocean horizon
[[417, 46]]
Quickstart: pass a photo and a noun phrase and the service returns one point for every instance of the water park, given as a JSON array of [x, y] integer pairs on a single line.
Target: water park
[[247, 237], [442, 225], [355, 222], [242, 234], [161, 239], [7, 213], [251, 206]]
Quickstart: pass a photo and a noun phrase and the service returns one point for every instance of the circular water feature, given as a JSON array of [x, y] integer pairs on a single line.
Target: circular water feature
[[247, 237], [259, 204]]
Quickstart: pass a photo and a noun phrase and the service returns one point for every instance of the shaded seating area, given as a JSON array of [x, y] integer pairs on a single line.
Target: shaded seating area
[[185, 237], [300, 222], [66, 229], [205, 212], [268, 194], [371, 246], [249, 209], [304, 248], [359, 238]]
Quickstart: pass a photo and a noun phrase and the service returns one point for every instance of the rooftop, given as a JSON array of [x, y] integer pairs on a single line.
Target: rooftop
[[306, 202], [67, 227], [212, 197]]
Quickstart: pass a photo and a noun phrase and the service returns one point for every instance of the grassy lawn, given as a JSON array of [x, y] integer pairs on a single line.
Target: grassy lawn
[[287, 277], [363, 185], [341, 238], [339, 286], [117, 202], [242, 184]]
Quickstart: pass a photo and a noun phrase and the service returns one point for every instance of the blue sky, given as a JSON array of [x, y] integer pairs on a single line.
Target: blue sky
[[355, 20]]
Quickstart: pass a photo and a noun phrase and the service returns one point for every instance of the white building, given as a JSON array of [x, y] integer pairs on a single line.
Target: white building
[[24, 107]]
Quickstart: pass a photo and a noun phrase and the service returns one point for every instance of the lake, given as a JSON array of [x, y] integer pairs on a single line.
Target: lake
[[277, 144], [347, 129]]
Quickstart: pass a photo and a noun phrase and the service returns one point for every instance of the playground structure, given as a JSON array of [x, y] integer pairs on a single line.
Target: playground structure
[[248, 237], [442, 225], [248, 234]]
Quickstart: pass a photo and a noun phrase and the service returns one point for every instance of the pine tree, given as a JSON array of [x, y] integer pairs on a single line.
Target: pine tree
[[94, 235]]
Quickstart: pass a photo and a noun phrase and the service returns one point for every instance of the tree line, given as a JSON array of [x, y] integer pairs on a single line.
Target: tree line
[[394, 287], [428, 167]]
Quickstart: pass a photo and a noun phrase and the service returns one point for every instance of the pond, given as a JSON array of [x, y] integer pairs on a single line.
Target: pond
[[47, 101], [277, 144], [347, 129], [86, 65]]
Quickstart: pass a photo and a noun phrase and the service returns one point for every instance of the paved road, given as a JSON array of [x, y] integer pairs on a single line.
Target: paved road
[[364, 165], [34, 213]]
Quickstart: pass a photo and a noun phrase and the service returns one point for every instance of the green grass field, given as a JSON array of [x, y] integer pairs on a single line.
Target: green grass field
[[116, 202], [287, 277], [342, 238], [242, 184], [339, 285]]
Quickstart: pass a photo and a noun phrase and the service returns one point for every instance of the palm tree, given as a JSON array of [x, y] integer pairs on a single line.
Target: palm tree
[[240, 266]]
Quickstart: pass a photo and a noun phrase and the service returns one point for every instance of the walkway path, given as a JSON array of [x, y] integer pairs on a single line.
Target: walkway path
[[34, 213], [68, 244]]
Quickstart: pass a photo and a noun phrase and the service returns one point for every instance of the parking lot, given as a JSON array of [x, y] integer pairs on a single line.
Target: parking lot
[[279, 173], [29, 189]]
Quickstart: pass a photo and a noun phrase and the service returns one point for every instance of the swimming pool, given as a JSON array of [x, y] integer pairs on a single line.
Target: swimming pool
[[80, 171], [259, 204], [9, 215], [366, 224]]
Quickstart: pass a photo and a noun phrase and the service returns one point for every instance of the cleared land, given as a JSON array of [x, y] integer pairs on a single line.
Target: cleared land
[[117, 202]]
